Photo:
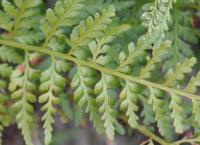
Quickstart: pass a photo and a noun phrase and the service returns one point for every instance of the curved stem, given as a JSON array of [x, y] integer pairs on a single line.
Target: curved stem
[[100, 68], [151, 135], [146, 132], [185, 140]]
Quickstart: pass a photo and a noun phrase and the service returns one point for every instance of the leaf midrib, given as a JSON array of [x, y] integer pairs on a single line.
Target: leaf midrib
[[99, 68]]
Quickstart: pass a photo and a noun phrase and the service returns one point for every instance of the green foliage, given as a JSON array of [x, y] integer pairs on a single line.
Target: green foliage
[[5, 112], [181, 34], [90, 28], [52, 83], [129, 98], [20, 22], [160, 114], [22, 89], [97, 60], [106, 103], [84, 81], [178, 73], [155, 19], [63, 15]]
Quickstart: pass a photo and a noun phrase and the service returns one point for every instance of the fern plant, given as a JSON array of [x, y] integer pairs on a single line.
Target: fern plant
[[182, 35], [45, 55]]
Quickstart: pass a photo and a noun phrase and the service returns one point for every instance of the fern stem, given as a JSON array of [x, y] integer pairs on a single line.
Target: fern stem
[[185, 140], [151, 135], [100, 68]]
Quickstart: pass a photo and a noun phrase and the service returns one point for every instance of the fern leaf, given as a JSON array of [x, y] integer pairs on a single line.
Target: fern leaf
[[147, 112], [100, 47], [5, 70], [155, 18], [193, 84], [157, 55], [182, 36], [126, 61], [10, 55], [14, 19], [129, 97], [177, 112], [91, 28], [30, 37], [173, 76], [52, 84], [22, 88], [118, 68], [116, 30], [16, 15], [5, 115], [160, 114], [196, 112], [63, 15], [105, 101], [83, 81], [10, 9]]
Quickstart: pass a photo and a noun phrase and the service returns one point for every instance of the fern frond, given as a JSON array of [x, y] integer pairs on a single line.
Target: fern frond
[[28, 37], [181, 34], [52, 84], [156, 18], [157, 54], [196, 112], [147, 112], [102, 71], [22, 88], [10, 55], [5, 70], [90, 28], [5, 115], [105, 101], [99, 47], [126, 61], [63, 15], [83, 82], [17, 20], [160, 114], [157, 86], [173, 76], [192, 87], [17, 15], [193, 84], [116, 30], [129, 98], [177, 112]]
